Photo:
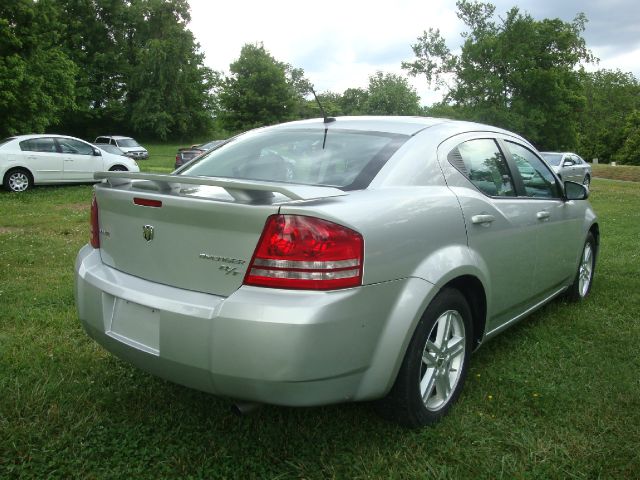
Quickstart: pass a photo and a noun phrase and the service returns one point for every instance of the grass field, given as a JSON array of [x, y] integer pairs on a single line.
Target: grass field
[[557, 396], [629, 173]]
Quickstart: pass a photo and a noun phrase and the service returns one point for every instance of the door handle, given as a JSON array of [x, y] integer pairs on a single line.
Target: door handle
[[482, 219], [543, 215]]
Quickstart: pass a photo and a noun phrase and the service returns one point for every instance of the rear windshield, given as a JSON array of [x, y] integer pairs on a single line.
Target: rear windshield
[[2, 142], [552, 158], [210, 145], [128, 142], [340, 158]]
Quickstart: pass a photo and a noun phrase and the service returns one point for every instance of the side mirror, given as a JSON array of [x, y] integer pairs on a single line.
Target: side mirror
[[575, 191], [97, 152], [567, 163]]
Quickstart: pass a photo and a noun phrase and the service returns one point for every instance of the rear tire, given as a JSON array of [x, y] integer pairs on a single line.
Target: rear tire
[[434, 367], [587, 181], [581, 285], [18, 180]]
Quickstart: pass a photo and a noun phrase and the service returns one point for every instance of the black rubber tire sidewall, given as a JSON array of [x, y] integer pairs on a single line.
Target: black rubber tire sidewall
[[5, 181], [404, 402]]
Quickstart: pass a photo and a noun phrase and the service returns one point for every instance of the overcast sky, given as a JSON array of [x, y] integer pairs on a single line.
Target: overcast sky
[[339, 43]]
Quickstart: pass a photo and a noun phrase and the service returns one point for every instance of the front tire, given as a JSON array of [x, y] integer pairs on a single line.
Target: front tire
[[586, 268], [587, 181], [18, 180], [434, 368], [118, 168]]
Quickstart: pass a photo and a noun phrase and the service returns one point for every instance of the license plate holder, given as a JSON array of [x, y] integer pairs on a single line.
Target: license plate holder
[[136, 325]]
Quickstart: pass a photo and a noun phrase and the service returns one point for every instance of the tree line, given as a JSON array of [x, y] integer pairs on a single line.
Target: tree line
[[89, 67]]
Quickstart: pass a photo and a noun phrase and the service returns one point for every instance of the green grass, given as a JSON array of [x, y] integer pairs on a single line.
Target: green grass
[[162, 157], [619, 172], [557, 396]]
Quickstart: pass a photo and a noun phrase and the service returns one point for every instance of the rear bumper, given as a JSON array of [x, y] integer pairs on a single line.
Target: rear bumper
[[265, 345]]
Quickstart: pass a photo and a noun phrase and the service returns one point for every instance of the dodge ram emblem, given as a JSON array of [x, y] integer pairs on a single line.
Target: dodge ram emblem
[[147, 232]]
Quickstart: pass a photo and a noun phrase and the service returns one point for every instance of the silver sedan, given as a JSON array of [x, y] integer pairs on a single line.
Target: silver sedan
[[569, 166], [333, 260]]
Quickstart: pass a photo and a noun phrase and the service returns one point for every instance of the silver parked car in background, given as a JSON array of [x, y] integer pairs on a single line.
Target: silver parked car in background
[[569, 166], [333, 260], [27, 160], [128, 145]]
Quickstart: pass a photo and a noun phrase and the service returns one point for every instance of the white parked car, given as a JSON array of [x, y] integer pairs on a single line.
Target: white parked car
[[28, 160], [128, 145]]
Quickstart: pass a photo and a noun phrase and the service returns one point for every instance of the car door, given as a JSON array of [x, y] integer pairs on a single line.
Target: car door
[[553, 222], [42, 157], [581, 168], [572, 169], [80, 163], [500, 233]]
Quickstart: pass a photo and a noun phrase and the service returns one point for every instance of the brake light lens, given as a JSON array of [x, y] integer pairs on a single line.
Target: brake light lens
[[301, 252], [147, 202], [95, 227]]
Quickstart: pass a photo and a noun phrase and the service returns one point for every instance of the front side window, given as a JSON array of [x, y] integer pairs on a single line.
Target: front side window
[[339, 158], [538, 180], [484, 165], [39, 145], [75, 147]]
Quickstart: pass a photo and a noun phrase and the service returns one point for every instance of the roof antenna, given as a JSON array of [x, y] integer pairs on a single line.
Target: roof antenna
[[324, 115]]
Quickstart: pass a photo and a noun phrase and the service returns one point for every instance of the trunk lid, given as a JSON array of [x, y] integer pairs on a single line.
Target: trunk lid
[[201, 234]]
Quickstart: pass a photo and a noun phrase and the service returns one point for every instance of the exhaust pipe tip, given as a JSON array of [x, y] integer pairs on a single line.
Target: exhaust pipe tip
[[241, 409]]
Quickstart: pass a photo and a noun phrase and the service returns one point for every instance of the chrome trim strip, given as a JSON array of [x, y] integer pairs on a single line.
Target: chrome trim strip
[[295, 275], [263, 262]]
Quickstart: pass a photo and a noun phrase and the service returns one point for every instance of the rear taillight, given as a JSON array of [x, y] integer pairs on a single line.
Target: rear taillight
[[95, 227], [302, 252]]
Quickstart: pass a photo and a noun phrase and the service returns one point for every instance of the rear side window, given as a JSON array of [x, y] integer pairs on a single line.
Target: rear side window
[[482, 162], [341, 158], [538, 180], [44, 144], [102, 140]]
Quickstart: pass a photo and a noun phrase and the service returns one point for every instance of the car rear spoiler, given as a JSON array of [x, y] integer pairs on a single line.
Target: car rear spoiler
[[240, 190]]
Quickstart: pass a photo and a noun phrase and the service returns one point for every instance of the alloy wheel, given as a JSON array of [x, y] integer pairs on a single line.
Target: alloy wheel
[[586, 270], [18, 182], [442, 360]]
